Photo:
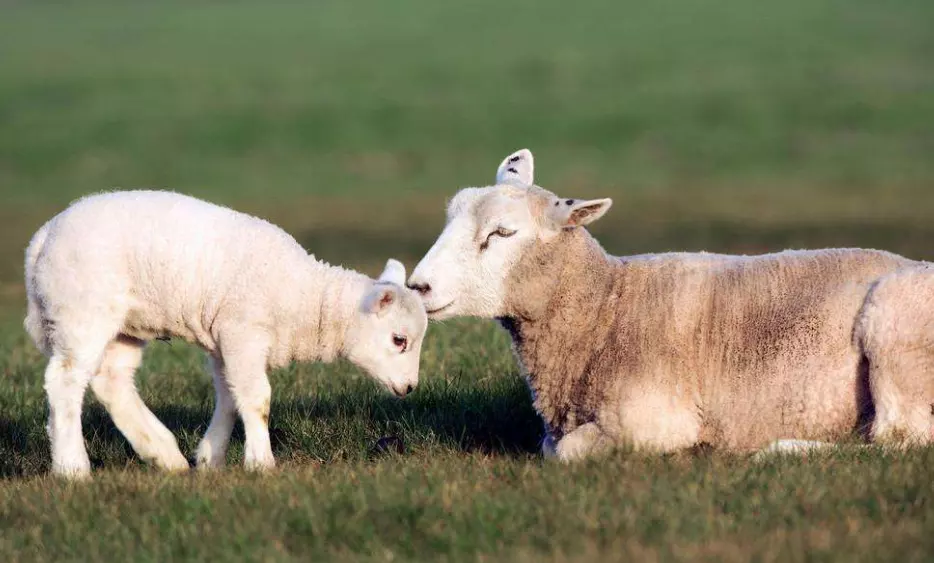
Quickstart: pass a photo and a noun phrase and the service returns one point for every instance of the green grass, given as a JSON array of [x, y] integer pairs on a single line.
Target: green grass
[[717, 124]]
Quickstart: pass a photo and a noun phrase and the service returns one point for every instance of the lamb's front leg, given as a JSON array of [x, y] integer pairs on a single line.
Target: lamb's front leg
[[581, 442], [212, 452], [245, 370]]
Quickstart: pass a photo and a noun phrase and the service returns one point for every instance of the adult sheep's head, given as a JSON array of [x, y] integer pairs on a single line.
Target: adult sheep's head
[[488, 231], [385, 336]]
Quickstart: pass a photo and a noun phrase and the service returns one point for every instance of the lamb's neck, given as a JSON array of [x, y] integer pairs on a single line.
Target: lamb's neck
[[555, 324], [329, 311]]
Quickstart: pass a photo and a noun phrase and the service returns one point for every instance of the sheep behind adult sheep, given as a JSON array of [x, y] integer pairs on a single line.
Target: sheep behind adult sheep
[[665, 351], [118, 269]]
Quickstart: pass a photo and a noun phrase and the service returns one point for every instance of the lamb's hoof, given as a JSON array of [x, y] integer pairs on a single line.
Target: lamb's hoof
[[206, 465], [177, 463], [79, 471], [259, 465]]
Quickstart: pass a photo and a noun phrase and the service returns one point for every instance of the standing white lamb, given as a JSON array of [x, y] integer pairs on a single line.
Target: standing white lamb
[[115, 270], [665, 351]]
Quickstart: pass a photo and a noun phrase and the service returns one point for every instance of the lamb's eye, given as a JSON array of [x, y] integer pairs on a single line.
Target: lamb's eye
[[502, 232], [400, 342]]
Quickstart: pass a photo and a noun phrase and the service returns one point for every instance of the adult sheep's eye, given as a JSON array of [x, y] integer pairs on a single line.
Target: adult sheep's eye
[[502, 232], [400, 342]]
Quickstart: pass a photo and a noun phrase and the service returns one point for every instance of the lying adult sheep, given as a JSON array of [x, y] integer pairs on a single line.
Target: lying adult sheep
[[665, 351], [118, 269]]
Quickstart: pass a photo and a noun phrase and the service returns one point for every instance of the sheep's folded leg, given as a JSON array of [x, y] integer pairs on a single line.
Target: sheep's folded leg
[[583, 441]]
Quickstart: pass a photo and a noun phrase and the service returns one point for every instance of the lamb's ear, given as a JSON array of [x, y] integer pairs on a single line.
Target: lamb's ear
[[569, 213], [379, 298], [394, 272], [517, 169]]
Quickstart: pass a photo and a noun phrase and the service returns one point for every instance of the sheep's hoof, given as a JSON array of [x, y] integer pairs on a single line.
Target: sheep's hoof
[[174, 464], [75, 472], [388, 444]]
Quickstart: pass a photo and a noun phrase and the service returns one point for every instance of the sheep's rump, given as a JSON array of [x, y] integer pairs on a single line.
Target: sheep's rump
[[770, 337], [747, 348]]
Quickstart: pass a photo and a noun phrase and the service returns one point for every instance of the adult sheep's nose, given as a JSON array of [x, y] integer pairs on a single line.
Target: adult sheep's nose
[[423, 288]]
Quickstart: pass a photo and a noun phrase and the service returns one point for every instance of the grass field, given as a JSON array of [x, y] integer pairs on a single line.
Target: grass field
[[718, 124]]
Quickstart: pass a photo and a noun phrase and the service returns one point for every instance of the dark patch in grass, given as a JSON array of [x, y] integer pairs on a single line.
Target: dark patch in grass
[[24, 447], [498, 422]]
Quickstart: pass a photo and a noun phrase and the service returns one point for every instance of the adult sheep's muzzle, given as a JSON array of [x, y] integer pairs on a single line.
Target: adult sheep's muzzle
[[419, 283]]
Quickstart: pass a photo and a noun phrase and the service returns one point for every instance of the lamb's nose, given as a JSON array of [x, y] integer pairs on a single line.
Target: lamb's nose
[[421, 288], [402, 391]]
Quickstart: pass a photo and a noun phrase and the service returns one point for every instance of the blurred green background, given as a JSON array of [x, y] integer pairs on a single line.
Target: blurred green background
[[724, 125], [714, 124]]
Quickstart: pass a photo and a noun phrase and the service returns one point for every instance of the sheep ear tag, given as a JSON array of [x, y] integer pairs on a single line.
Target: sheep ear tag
[[570, 213], [517, 169]]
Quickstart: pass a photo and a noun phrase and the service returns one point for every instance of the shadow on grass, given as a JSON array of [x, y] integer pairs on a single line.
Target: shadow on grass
[[24, 447], [494, 421], [497, 421]]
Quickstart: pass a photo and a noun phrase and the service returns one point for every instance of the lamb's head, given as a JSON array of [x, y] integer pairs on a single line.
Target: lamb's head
[[488, 231], [385, 335]]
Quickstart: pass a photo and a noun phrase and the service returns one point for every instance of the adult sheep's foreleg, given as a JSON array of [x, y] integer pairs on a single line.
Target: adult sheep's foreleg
[[245, 370], [212, 452], [581, 442]]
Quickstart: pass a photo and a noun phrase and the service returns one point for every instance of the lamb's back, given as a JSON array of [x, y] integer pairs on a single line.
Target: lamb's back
[[166, 251]]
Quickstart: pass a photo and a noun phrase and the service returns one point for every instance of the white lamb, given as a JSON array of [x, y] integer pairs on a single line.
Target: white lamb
[[115, 270]]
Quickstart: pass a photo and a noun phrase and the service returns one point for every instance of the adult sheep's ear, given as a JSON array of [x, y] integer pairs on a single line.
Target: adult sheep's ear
[[517, 169], [378, 300], [394, 272], [570, 213]]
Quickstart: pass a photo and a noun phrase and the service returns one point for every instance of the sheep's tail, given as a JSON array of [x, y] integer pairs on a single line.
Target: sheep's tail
[[34, 322]]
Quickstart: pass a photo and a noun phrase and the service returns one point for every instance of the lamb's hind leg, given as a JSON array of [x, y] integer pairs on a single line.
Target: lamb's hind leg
[[213, 449], [896, 330], [77, 344], [66, 379], [114, 387]]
